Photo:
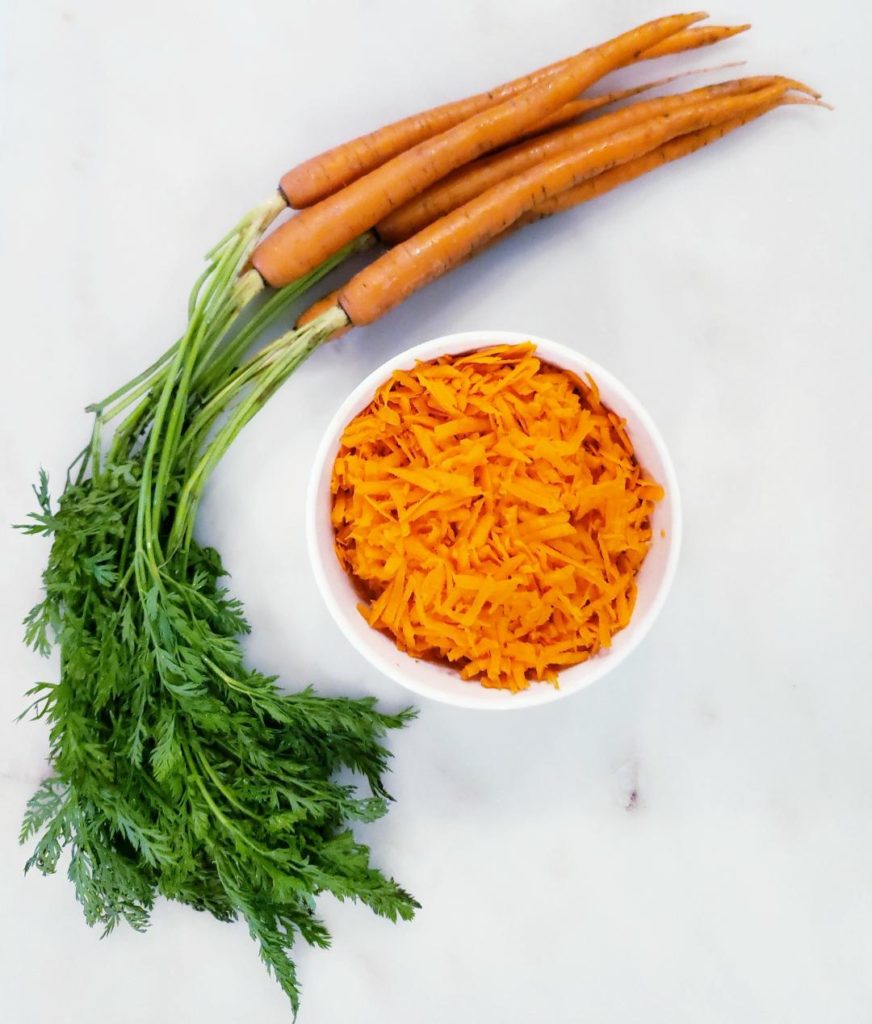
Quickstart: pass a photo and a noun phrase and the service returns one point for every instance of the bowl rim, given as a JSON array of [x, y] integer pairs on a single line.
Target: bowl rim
[[552, 352]]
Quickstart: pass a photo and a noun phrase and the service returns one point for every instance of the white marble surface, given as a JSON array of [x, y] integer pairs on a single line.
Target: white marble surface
[[730, 292]]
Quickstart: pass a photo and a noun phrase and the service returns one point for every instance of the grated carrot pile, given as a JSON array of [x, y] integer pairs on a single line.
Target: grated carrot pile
[[493, 515]]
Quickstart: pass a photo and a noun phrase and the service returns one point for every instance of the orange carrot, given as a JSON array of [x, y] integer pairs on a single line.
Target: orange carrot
[[322, 175], [506, 549], [473, 179], [314, 234], [445, 243]]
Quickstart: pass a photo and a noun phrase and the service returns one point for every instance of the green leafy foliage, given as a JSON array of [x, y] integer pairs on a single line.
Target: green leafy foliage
[[177, 770]]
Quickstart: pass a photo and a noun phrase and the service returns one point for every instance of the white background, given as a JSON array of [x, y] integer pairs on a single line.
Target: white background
[[730, 292]]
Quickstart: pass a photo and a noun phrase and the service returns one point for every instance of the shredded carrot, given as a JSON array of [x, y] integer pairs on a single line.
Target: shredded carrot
[[492, 514]]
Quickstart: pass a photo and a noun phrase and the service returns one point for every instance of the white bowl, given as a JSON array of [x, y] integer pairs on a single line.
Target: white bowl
[[441, 682]]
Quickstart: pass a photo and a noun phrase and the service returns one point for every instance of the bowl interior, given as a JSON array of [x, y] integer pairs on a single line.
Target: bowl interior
[[440, 682]]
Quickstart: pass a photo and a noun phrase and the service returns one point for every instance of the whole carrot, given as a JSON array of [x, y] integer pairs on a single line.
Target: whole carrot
[[324, 174], [304, 241], [469, 181], [445, 243]]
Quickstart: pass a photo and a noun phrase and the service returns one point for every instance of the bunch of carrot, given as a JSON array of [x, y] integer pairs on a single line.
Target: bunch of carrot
[[436, 188]]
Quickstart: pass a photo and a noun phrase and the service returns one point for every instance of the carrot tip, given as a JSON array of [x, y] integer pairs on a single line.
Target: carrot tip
[[806, 101], [728, 31], [792, 83]]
